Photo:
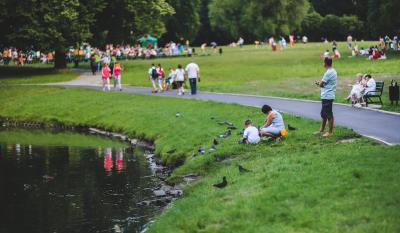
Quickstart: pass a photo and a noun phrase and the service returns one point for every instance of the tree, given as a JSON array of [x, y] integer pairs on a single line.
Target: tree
[[257, 19], [311, 25], [185, 22], [54, 25], [123, 21], [383, 17], [49, 24]]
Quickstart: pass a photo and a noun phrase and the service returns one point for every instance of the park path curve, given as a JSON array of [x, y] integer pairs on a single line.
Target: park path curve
[[379, 125]]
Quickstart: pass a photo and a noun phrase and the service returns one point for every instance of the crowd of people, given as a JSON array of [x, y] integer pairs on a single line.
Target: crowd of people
[[18, 57], [175, 79], [373, 52]]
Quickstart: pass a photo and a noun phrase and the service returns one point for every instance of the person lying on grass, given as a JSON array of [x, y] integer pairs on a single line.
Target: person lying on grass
[[273, 125], [250, 134]]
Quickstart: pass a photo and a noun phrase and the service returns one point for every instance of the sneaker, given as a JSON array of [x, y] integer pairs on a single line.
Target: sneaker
[[327, 134]]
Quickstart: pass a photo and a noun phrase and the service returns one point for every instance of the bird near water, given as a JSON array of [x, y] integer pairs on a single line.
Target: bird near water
[[223, 184]]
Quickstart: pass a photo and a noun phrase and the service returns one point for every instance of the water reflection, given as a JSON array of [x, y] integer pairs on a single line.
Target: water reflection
[[73, 189]]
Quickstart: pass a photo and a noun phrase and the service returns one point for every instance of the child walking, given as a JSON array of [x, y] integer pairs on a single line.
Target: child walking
[[180, 78], [105, 76], [117, 75]]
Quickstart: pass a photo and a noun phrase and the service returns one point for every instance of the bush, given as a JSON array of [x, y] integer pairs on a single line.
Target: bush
[[331, 26], [311, 25]]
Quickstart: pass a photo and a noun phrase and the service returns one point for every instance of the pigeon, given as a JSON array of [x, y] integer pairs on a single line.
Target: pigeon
[[291, 127], [201, 150], [226, 134], [242, 169], [222, 184], [212, 148], [178, 114], [215, 142]]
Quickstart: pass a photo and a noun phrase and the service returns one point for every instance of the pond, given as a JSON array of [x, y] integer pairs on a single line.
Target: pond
[[69, 182]]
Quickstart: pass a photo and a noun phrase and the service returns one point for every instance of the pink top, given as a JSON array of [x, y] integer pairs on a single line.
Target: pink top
[[117, 71], [105, 72]]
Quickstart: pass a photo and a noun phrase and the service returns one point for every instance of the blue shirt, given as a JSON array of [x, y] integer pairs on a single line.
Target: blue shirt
[[328, 91]]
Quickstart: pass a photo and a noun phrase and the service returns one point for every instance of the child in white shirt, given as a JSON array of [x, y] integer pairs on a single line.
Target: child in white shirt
[[250, 134]]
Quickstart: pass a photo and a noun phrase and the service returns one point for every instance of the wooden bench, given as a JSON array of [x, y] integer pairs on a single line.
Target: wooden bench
[[369, 96]]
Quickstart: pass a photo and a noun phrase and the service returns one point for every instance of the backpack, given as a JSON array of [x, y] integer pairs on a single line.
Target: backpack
[[154, 74]]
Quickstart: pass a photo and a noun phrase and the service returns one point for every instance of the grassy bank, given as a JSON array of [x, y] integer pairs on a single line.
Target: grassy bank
[[302, 184]]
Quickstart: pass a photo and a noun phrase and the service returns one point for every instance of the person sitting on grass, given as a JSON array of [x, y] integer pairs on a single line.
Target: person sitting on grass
[[250, 134], [273, 125]]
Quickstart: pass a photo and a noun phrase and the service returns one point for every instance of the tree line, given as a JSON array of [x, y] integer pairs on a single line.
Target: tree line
[[57, 24]]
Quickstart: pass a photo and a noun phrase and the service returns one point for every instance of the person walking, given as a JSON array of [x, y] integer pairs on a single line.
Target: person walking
[[328, 92], [153, 77], [105, 76], [117, 75], [193, 73], [179, 79], [161, 76]]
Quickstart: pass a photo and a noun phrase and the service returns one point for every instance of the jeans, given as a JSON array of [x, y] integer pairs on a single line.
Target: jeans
[[193, 87]]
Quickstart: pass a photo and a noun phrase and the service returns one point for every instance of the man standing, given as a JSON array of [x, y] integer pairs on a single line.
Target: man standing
[[193, 72], [328, 91], [153, 75]]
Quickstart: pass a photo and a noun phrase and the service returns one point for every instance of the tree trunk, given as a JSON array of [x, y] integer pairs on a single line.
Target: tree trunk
[[60, 61]]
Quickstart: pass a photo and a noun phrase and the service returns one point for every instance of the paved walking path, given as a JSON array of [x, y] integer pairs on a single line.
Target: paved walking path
[[379, 125]]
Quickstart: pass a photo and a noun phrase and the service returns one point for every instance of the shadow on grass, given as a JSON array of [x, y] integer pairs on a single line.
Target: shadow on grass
[[21, 72]]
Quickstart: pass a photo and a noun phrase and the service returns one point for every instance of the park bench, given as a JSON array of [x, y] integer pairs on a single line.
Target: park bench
[[370, 95]]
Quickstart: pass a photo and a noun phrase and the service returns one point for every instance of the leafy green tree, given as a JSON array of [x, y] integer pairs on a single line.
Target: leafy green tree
[[256, 19], [185, 23], [383, 17], [54, 25], [123, 21], [48, 25], [311, 25]]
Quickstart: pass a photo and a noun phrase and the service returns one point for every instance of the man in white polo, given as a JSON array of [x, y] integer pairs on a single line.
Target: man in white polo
[[193, 73]]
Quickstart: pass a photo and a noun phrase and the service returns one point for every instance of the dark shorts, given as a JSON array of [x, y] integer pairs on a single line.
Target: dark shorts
[[179, 84], [326, 110]]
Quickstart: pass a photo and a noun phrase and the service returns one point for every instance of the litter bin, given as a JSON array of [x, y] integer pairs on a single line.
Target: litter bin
[[394, 92]]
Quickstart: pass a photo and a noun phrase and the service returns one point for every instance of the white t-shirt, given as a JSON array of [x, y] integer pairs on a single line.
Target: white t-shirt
[[371, 85], [192, 69], [252, 135], [179, 75]]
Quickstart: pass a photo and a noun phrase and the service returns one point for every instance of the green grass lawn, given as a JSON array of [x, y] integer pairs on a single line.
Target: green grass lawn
[[260, 71], [302, 184]]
